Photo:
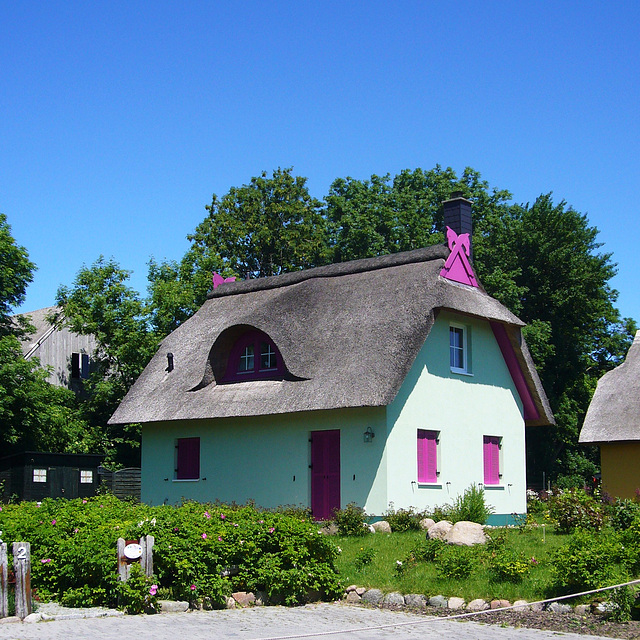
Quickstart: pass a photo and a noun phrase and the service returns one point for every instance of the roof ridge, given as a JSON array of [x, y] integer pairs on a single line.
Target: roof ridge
[[424, 254]]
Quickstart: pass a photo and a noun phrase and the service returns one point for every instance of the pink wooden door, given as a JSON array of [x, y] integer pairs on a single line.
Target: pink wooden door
[[325, 473]]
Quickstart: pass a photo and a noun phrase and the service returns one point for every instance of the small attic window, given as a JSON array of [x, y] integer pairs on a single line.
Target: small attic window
[[254, 356]]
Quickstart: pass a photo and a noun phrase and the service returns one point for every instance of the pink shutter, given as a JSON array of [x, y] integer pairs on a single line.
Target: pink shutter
[[427, 456], [188, 459], [491, 455]]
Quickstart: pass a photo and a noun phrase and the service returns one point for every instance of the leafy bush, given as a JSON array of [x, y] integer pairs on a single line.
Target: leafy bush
[[588, 561], [574, 509], [403, 519], [426, 551], [351, 521], [201, 553], [537, 502], [623, 513], [138, 593], [508, 565], [363, 558], [456, 562], [623, 600], [470, 506]]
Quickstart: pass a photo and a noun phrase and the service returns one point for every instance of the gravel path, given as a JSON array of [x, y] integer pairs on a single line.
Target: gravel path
[[335, 621]]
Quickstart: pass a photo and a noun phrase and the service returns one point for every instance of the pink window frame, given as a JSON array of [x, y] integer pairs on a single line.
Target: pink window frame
[[255, 338], [428, 456]]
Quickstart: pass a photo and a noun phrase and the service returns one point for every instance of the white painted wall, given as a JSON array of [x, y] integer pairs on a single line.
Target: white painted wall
[[462, 408]]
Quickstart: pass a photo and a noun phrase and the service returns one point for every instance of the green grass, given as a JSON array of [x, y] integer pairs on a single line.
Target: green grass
[[422, 577]]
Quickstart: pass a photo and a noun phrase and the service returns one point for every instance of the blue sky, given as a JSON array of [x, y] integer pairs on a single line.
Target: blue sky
[[119, 120]]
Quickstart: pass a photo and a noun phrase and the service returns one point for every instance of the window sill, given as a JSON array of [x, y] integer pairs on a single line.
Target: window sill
[[462, 372], [429, 485], [494, 487], [186, 480]]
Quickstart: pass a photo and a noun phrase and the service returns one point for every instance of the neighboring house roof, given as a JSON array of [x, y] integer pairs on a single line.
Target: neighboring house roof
[[43, 329], [614, 412], [348, 334]]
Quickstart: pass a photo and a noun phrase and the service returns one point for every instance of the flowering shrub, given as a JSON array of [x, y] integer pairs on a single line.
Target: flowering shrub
[[351, 521], [508, 565], [403, 519], [574, 509], [363, 558], [455, 562], [202, 553]]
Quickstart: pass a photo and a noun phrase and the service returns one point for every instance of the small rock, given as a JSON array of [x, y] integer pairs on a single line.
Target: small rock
[[173, 606], [466, 534], [230, 603], [393, 599], [371, 529], [415, 601], [353, 597], [478, 605], [558, 607], [537, 606], [361, 591], [350, 588], [427, 523], [438, 601], [456, 603], [261, 598], [329, 529], [244, 599], [381, 526], [602, 608], [519, 605], [439, 530], [499, 604], [10, 620], [33, 617], [373, 596], [582, 609]]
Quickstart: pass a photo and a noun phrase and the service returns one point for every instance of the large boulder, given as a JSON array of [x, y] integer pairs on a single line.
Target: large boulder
[[439, 530], [465, 533], [426, 523], [382, 526]]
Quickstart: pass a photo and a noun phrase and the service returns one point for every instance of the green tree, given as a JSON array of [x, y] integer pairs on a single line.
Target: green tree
[[100, 303], [16, 272], [269, 226]]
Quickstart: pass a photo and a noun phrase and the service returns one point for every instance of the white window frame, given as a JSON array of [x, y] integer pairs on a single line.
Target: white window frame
[[86, 476], [466, 345], [39, 475]]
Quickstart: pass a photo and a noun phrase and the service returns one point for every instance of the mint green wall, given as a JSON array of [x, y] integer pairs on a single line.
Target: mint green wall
[[257, 458], [462, 408]]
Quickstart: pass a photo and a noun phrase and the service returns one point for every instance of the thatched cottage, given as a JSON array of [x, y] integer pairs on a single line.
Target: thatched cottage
[[393, 379], [613, 423]]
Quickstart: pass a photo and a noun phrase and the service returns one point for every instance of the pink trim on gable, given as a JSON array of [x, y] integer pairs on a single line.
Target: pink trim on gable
[[218, 279], [457, 267], [500, 333]]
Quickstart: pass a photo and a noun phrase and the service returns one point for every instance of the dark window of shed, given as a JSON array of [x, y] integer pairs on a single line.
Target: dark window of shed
[[79, 366], [254, 356]]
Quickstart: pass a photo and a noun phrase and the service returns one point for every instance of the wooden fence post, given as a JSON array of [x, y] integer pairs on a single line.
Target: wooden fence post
[[22, 570], [146, 560], [4, 581], [123, 567]]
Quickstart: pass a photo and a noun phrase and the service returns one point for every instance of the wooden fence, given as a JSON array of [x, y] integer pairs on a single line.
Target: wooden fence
[[128, 553], [124, 483]]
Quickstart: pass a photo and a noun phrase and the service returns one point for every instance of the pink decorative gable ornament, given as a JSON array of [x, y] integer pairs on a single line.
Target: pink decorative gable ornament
[[218, 280], [457, 267]]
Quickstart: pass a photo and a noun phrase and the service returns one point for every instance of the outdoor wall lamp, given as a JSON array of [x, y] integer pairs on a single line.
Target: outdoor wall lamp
[[369, 435]]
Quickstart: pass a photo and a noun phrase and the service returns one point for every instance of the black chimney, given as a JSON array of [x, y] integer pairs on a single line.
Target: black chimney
[[457, 216]]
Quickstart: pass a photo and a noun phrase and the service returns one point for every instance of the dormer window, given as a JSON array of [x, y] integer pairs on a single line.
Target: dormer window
[[254, 356]]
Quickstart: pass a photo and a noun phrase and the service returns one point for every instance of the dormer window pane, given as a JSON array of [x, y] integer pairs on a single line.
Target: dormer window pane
[[246, 362], [267, 357]]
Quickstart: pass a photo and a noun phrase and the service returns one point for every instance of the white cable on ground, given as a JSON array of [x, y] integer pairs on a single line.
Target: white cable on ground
[[457, 616]]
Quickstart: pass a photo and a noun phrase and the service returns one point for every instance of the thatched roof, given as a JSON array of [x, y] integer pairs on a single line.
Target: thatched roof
[[348, 334], [614, 412]]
